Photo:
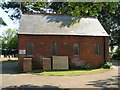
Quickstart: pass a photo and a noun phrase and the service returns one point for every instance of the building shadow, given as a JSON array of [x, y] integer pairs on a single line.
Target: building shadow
[[107, 83]]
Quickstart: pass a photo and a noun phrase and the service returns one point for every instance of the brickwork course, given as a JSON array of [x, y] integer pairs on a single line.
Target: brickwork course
[[44, 30]]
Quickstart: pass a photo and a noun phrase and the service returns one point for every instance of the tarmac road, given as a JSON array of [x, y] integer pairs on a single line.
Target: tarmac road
[[11, 78]]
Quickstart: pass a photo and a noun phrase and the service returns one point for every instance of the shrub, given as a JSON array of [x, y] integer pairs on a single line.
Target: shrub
[[118, 51], [85, 67], [106, 65]]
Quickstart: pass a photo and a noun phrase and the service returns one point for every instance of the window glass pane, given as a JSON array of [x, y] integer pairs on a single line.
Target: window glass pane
[[97, 49], [76, 49], [30, 48], [53, 49]]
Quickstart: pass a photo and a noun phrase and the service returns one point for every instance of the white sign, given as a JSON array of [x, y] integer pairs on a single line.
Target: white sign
[[22, 51]]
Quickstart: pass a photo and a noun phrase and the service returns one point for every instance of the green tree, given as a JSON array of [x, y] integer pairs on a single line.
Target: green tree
[[23, 7], [0, 44], [108, 13], [9, 42], [2, 22]]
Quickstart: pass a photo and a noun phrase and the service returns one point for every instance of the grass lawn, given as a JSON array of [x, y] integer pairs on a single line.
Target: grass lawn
[[71, 72]]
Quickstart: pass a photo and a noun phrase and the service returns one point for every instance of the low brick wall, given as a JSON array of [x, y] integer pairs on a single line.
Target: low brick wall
[[27, 64]]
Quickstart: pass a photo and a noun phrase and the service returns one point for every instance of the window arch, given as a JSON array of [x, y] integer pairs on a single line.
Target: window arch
[[30, 48], [97, 49], [53, 49], [76, 49]]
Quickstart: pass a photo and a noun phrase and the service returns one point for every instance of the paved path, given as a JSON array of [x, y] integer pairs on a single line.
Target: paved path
[[106, 79]]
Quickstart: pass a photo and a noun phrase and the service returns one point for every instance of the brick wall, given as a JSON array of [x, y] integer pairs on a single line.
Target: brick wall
[[42, 48]]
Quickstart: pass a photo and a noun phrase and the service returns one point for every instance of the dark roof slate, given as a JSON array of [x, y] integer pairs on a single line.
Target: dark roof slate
[[60, 25]]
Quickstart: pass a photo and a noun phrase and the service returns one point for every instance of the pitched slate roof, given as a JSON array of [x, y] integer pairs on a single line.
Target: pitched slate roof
[[60, 25]]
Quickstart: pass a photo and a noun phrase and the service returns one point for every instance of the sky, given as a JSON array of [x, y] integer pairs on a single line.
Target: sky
[[7, 20]]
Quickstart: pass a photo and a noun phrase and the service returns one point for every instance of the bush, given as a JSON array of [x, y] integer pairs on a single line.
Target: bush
[[118, 51], [107, 65], [84, 67], [118, 54]]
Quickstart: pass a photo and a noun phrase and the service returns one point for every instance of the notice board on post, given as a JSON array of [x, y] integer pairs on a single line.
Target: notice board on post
[[60, 63]]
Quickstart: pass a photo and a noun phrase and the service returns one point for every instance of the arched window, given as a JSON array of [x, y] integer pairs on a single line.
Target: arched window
[[97, 49], [53, 49], [30, 48], [76, 49]]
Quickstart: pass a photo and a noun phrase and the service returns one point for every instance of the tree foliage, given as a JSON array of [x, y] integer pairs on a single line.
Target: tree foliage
[[22, 7], [9, 42], [108, 13]]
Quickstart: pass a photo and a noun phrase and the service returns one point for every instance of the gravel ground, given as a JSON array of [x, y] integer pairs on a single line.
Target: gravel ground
[[11, 78]]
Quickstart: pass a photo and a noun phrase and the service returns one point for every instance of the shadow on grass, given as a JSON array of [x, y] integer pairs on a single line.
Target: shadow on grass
[[107, 83]]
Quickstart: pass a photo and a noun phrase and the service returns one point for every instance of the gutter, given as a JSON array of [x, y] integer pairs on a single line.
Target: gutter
[[51, 34]]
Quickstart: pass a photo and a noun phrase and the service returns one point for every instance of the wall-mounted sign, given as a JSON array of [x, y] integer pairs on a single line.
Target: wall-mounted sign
[[22, 51]]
